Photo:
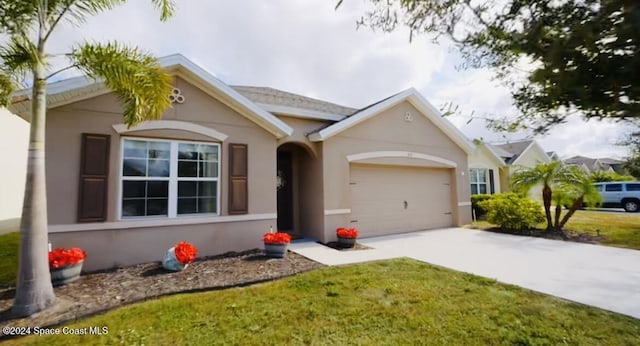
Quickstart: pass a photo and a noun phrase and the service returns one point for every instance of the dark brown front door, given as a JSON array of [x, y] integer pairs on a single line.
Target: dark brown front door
[[285, 191]]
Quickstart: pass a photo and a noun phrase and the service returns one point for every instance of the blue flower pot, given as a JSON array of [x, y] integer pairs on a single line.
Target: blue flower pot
[[276, 250], [66, 274]]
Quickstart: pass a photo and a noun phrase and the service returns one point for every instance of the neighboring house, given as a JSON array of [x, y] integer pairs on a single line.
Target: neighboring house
[[589, 165], [14, 141], [485, 169], [225, 164], [491, 165]]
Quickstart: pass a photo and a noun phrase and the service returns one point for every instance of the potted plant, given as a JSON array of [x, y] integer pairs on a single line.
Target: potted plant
[[65, 265], [275, 243], [179, 256], [347, 237]]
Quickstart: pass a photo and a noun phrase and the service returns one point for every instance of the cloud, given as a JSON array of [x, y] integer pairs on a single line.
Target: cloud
[[307, 47]]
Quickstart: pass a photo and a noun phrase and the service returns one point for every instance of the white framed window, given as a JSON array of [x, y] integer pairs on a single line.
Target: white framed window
[[478, 179], [169, 178]]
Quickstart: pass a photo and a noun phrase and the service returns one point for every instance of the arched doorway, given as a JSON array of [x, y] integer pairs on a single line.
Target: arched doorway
[[296, 188]]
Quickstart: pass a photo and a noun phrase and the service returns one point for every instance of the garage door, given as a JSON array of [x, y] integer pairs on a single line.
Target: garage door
[[392, 199]]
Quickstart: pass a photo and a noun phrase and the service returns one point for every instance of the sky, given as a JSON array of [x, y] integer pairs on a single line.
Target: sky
[[309, 48]]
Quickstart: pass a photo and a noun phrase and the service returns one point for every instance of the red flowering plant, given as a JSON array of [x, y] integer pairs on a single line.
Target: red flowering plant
[[349, 233], [60, 257], [276, 238], [185, 252]]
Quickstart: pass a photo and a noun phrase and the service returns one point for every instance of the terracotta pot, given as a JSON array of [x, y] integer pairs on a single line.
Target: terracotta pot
[[66, 274], [276, 250]]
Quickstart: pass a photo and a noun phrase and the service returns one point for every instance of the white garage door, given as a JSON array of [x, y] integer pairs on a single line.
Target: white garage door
[[393, 199]]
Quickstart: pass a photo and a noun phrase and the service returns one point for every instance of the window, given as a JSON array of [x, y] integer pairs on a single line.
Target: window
[[613, 187], [478, 179], [633, 187], [169, 178]]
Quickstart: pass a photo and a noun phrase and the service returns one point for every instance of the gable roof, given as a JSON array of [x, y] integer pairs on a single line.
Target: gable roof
[[493, 152], [515, 149], [286, 103], [512, 152], [412, 96], [81, 88]]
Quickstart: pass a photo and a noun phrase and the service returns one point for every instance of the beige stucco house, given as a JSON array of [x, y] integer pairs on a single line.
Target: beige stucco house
[[14, 141], [224, 164], [491, 165]]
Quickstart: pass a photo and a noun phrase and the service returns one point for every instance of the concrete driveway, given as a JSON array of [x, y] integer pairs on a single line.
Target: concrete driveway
[[600, 276]]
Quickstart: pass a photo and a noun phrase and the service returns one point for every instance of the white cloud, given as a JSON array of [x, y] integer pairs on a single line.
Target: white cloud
[[311, 49]]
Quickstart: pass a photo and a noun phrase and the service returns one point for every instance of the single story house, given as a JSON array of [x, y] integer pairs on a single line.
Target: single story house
[[589, 165], [491, 165], [225, 164], [14, 142]]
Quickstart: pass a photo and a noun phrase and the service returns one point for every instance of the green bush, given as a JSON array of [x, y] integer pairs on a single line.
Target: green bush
[[605, 177], [479, 212], [512, 212]]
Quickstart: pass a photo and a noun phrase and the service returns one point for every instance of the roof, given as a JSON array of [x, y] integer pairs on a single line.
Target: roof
[[578, 160], [515, 149], [286, 103], [412, 96], [80, 88], [499, 151]]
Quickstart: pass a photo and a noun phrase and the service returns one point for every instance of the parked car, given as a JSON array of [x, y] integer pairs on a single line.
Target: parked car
[[620, 195]]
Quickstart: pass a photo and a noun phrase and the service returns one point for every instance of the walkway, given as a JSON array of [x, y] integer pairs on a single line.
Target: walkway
[[600, 276]]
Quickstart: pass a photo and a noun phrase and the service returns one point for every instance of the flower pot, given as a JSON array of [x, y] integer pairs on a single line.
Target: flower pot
[[276, 250], [66, 274], [346, 242], [170, 262]]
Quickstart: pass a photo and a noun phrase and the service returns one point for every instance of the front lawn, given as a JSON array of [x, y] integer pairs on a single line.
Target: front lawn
[[9, 246], [381, 303], [619, 229]]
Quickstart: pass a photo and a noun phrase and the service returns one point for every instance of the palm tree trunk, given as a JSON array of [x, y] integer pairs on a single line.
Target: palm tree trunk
[[34, 291], [546, 200], [576, 205], [557, 216]]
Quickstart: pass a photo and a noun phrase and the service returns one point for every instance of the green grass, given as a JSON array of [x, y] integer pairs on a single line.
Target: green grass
[[9, 245], [620, 229], [395, 302]]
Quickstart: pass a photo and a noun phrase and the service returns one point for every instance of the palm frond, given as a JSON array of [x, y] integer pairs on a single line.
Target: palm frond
[[16, 60], [18, 56], [166, 7], [136, 78], [6, 88]]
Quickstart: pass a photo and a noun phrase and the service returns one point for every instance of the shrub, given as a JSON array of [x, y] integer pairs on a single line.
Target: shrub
[[478, 211], [605, 177], [512, 212]]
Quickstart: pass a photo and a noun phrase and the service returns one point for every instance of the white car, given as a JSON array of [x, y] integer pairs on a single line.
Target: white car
[[620, 194]]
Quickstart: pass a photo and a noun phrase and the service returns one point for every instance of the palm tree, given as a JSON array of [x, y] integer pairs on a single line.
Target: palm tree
[[548, 175], [581, 192], [134, 76]]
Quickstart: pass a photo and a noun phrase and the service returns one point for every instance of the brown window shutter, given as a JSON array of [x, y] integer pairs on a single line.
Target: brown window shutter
[[238, 167], [94, 170]]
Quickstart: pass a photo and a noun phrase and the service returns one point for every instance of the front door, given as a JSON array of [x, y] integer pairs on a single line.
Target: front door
[[285, 191]]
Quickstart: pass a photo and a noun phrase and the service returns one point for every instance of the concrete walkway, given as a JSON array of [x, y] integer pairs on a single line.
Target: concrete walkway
[[600, 276]]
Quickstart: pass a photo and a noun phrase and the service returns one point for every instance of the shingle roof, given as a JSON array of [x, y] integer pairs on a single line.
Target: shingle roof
[[271, 96], [578, 160], [514, 148]]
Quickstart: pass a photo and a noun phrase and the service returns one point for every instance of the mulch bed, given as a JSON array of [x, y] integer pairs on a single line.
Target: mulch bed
[[102, 291]]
